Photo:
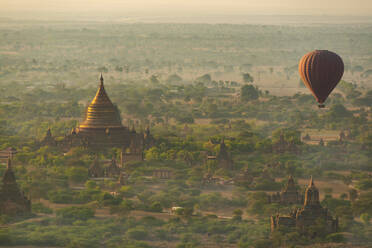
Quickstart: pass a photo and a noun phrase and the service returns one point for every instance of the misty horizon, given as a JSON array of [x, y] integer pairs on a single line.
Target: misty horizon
[[220, 11]]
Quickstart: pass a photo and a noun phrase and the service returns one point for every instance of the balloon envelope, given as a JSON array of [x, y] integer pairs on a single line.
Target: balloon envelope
[[321, 71]]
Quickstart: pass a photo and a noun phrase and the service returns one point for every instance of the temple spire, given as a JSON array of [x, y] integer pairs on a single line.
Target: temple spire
[[311, 183], [101, 113], [101, 79]]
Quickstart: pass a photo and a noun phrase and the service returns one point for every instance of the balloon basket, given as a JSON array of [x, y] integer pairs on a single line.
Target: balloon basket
[[321, 106]]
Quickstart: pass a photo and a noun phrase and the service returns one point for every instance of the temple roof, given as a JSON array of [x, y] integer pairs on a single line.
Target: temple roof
[[101, 113], [311, 194]]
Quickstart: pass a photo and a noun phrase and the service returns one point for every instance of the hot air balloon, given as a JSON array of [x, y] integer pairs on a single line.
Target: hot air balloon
[[321, 71]]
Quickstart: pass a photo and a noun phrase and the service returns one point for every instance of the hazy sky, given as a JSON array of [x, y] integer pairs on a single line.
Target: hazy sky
[[298, 7]]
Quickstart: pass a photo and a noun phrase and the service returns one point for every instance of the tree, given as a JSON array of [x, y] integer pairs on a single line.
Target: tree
[[206, 78], [338, 111], [247, 78], [174, 78], [237, 214], [154, 79], [353, 194], [363, 204], [365, 217], [248, 93]]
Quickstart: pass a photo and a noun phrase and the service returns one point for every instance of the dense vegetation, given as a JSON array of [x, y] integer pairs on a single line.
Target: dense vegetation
[[193, 85]]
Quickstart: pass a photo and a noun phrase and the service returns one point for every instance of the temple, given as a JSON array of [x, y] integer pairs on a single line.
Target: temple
[[288, 195], [12, 200], [302, 219], [101, 128]]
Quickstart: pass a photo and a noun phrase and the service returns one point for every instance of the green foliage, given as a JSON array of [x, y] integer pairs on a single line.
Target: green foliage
[[77, 174], [70, 214], [5, 237], [41, 208], [363, 204], [366, 218], [247, 78], [336, 238], [138, 233], [248, 93], [333, 203], [156, 207], [364, 184]]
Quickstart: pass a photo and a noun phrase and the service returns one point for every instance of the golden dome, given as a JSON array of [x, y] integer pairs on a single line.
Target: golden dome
[[101, 113]]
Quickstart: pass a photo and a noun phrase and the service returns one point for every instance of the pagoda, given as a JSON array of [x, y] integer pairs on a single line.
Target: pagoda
[[102, 126], [12, 200], [224, 159]]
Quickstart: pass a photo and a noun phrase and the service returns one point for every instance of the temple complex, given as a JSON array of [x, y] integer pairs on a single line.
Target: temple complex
[[288, 195], [101, 128], [301, 219], [12, 200]]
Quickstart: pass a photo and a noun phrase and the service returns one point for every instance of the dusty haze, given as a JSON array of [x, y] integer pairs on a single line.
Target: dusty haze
[[174, 8]]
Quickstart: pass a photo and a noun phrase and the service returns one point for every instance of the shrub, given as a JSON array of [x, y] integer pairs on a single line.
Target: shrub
[[156, 207], [71, 214], [137, 233], [364, 184], [41, 208], [4, 237], [262, 243], [336, 238]]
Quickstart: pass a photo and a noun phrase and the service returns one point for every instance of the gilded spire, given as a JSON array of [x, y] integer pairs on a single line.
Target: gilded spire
[[101, 113], [101, 79]]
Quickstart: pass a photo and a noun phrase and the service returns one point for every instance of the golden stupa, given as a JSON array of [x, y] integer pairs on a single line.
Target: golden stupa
[[101, 113], [102, 125], [101, 128]]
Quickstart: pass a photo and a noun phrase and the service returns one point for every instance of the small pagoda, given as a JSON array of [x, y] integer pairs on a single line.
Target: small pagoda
[[12, 201], [224, 159]]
